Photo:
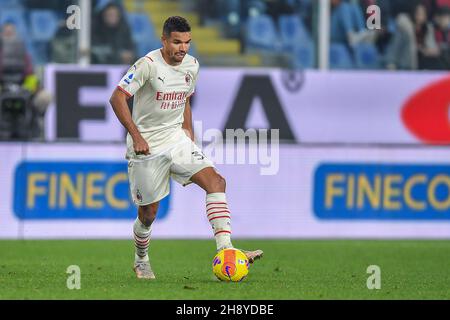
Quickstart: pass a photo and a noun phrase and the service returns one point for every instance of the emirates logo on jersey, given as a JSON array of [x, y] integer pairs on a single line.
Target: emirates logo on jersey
[[188, 79], [171, 100]]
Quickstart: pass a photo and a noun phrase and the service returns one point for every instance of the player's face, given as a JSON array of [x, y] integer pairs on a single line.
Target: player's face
[[177, 45]]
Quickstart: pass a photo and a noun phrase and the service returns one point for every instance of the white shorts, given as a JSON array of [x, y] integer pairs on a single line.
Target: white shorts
[[149, 175]]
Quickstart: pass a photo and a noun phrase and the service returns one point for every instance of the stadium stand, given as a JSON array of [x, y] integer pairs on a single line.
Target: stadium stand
[[11, 3], [261, 33], [211, 46], [43, 25], [304, 55], [340, 57], [292, 31], [366, 56], [242, 33]]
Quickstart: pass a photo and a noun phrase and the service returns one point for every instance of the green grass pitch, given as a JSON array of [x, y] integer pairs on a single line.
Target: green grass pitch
[[290, 269]]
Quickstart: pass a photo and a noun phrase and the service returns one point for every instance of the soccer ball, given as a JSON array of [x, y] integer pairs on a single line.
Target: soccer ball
[[230, 265]]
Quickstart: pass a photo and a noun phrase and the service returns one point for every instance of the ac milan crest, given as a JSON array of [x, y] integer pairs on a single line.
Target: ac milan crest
[[188, 79], [138, 195]]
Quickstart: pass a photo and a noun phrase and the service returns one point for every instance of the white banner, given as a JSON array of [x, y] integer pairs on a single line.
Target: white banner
[[311, 107]]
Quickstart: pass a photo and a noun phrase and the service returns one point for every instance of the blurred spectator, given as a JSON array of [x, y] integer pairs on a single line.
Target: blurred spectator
[[15, 62], [64, 46], [413, 45], [347, 23], [19, 83], [384, 36], [111, 37], [442, 34], [428, 50], [433, 6], [306, 11]]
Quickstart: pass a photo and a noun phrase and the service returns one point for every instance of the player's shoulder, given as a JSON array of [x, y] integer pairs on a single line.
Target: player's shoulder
[[191, 59], [148, 59], [191, 62], [152, 56], [146, 63], [143, 62]]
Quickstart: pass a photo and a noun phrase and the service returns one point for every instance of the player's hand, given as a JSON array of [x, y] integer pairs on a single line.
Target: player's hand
[[141, 146]]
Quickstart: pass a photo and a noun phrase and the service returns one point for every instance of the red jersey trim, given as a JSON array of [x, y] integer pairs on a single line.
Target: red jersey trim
[[124, 91], [149, 58]]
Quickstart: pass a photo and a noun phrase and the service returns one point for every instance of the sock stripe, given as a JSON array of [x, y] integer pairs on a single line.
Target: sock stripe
[[140, 237], [212, 208], [219, 217], [210, 203], [141, 242], [218, 212], [142, 246], [222, 231]]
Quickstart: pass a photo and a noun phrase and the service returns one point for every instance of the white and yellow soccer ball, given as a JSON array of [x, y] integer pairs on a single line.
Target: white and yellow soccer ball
[[230, 265]]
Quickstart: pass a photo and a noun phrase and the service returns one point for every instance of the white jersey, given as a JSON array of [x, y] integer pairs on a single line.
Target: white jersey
[[160, 91]]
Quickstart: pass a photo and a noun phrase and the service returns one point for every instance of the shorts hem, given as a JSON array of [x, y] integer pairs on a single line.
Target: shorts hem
[[188, 181], [150, 202]]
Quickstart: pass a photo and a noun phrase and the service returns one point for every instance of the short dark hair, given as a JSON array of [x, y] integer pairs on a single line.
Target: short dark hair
[[175, 24]]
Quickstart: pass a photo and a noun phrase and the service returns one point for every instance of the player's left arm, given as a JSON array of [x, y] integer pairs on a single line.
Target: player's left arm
[[187, 124]]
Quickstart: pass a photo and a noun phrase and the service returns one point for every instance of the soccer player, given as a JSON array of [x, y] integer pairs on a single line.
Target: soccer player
[[160, 139]]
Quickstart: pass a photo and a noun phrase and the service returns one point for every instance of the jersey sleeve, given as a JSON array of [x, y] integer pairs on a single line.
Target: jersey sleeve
[[135, 77], [194, 79]]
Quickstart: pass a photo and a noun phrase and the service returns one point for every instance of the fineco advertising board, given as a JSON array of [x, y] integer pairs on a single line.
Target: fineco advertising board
[[81, 190]]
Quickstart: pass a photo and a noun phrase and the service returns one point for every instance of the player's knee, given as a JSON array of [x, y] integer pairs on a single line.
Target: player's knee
[[218, 184], [223, 182], [148, 214]]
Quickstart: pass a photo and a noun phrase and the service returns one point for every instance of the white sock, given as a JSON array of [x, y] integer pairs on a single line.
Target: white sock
[[141, 241], [218, 215]]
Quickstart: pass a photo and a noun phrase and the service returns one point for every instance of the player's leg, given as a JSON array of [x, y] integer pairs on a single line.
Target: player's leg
[[149, 183], [189, 164], [142, 231], [217, 210]]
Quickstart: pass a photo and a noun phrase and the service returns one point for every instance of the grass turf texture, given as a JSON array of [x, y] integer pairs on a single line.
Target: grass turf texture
[[290, 269]]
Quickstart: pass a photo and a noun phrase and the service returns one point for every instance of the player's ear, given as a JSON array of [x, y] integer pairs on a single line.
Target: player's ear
[[164, 38]]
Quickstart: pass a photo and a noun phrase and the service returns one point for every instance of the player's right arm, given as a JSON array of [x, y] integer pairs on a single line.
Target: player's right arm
[[133, 80], [119, 104]]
